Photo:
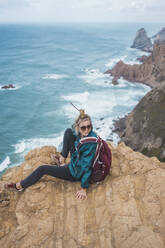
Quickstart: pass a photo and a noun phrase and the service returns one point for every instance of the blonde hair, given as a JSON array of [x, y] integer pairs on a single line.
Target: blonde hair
[[80, 118]]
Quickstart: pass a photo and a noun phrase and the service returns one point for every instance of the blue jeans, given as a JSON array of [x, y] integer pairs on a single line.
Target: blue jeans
[[62, 172]]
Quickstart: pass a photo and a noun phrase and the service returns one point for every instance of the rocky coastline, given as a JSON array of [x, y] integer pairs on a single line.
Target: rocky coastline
[[143, 129], [151, 72]]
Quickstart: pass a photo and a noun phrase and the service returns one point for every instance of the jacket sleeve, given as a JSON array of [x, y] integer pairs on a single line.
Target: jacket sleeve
[[87, 154], [85, 179]]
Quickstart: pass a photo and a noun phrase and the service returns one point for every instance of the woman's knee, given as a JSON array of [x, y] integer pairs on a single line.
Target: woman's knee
[[68, 132], [42, 169]]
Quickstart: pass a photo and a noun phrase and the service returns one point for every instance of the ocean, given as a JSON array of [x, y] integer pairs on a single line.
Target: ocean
[[53, 65]]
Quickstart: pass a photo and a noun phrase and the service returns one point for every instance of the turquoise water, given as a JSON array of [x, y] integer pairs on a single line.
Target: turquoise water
[[51, 65]]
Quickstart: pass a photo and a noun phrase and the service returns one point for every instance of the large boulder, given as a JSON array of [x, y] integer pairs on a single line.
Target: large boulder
[[142, 41], [143, 129], [126, 210], [151, 72], [159, 38]]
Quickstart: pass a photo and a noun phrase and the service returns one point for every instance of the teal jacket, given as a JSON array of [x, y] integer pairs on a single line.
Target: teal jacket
[[81, 168]]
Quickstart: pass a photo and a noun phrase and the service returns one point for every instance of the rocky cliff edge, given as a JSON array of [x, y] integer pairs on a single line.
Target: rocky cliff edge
[[150, 72], [126, 210], [143, 129]]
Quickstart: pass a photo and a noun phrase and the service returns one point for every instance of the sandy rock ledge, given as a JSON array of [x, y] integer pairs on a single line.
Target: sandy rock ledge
[[126, 211]]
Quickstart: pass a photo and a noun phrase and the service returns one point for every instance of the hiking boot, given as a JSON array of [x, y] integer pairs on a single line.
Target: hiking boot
[[12, 187]]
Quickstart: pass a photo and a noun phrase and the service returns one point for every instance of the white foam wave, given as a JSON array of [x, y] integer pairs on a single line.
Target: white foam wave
[[138, 51], [5, 163], [125, 60], [104, 105], [113, 61], [100, 104], [93, 73], [104, 127], [78, 97], [142, 88], [132, 62], [130, 58], [91, 103], [95, 77], [26, 145], [54, 76], [124, 83]]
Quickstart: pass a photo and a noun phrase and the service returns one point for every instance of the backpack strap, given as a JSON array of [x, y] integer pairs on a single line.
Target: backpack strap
[[97, 153], [88, 140], [97, 140]]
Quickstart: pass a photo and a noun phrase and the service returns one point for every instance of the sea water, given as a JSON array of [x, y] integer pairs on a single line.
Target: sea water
[[53, 65]]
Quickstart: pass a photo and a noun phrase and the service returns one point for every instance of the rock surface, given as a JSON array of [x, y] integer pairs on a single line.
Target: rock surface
[[151, 72], [143, 58], [143, 129], [9, 86], [142, 41], [159, 38], [127, 210]]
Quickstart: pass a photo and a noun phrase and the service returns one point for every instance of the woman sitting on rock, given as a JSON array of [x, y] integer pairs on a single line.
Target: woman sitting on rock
[[80, 166]]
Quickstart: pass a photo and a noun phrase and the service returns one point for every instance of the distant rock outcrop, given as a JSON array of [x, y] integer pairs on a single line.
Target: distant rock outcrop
[[151, 72], [127, 210], [142, 41], [143, 129], [159, 38], [9, 86]]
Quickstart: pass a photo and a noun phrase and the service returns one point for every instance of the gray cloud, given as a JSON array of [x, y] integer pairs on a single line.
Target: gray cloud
[[84, 10], [13, 4]]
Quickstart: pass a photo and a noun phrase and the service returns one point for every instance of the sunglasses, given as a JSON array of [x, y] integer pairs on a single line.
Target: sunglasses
[[83, 128]]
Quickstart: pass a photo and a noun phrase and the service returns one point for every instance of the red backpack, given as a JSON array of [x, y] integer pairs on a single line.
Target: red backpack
[[102, 160]]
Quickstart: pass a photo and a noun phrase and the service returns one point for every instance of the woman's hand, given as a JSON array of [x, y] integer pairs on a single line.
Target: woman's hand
[[81, 194], [62, 160]]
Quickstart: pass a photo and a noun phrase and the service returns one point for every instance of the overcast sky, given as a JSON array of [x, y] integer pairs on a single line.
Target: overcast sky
[[82, 11]]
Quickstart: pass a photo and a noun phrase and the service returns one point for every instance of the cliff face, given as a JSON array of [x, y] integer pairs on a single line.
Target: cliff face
[[144, 128], [142, 41], [159, 38], [127, 210], [151, 72]]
